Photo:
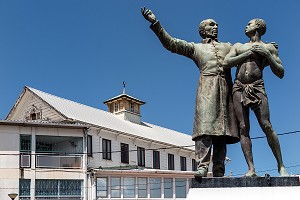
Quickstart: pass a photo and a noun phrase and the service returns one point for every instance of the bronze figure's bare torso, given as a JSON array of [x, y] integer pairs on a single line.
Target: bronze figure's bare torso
[[248, 91]]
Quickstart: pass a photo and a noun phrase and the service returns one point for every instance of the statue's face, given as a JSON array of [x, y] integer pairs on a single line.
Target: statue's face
[[251, 28], [211, 29]]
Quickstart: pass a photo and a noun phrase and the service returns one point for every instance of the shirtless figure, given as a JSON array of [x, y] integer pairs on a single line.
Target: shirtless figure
[[248, 91]]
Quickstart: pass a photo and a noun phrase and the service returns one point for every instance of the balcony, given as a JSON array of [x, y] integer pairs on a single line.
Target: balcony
[[52, 152], [54, 161]]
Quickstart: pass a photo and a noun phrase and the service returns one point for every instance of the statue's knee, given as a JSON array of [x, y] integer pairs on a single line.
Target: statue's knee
[[243, 127], [266, 126]]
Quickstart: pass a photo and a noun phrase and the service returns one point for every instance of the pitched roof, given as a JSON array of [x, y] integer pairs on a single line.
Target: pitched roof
[[124, 95], [106, 120]]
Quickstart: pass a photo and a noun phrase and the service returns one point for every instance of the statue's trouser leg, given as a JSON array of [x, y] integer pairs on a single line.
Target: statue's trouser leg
[[203, 152], [219, 154]]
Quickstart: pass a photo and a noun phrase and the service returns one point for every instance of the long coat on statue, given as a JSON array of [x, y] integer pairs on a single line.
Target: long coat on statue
[[214, 114]]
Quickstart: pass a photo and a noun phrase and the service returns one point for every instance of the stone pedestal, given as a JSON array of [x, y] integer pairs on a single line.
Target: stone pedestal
[[256, 188]]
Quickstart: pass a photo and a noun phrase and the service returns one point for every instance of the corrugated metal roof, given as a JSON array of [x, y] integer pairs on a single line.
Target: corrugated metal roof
[[97, 117]]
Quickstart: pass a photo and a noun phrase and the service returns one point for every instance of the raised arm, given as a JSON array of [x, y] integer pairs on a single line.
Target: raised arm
[[172, 44], [233, 58]]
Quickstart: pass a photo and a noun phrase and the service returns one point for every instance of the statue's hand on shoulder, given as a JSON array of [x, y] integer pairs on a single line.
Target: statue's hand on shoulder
[[148, 15]]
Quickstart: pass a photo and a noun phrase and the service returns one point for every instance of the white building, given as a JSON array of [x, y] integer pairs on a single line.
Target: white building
[[66, 150]]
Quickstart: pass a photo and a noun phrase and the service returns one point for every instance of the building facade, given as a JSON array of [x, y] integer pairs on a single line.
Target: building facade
[[39, 160], [68, 150]]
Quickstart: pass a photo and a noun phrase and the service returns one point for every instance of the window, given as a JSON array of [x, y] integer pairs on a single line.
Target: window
[[142, 187], [90, 146], [194, 165], [58, 188], [33, 116], [168, 187], [33, 113], [156, 160], [141, 156], [25, 142], [116, 187], [183, 163], [124, 153], [24, 188], [131, 107], [180, 184], [155, 187], [25, 149], [111, 107], [129, 187], [106, 149], [171, 162], [101, 187], [116, 107]]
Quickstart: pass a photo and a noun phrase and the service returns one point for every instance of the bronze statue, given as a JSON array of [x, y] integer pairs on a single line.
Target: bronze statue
[[248, 91], [214, 119]]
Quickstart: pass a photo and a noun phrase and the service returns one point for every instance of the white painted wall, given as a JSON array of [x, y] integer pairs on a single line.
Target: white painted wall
[[26, 103], [9, 164], [10, 172], [116, 140]]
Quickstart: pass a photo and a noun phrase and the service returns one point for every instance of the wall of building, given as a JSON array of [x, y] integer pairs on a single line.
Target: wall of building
[[10, 171], [9, 160], [116, 139]]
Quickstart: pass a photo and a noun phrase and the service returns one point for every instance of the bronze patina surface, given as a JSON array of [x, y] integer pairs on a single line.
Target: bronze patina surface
[[248, 91], [214, 120]]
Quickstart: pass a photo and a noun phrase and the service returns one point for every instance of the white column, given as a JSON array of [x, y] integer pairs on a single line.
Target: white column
[[174, 188], [84, 165], [33, 163]]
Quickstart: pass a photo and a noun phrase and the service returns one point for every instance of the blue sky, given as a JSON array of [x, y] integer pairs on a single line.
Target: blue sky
[[84, 50]]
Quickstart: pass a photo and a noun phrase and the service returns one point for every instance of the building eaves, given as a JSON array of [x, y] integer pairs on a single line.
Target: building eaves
[[124, 95], [43, 124]]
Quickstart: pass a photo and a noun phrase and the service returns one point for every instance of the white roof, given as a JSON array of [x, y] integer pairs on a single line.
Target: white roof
[[97, 117]]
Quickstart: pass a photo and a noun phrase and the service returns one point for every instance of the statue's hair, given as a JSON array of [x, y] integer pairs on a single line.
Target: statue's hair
[[261, 26], [201, 28]]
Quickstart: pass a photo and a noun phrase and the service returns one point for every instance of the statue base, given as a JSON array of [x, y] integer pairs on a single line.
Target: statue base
[[244, 188]]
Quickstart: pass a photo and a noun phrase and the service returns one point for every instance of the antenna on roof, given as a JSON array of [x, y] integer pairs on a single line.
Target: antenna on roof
[[124, 85]]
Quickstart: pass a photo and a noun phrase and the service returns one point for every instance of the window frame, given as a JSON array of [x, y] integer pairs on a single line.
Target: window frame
[[141, 156], [182, 163], [106, 149], [105, 186], [89, 145], [156, 159], [194, 165], [171, 163], [124, 153]]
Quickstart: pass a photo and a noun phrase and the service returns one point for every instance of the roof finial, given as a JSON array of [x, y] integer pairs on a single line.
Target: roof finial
[[124, 85]]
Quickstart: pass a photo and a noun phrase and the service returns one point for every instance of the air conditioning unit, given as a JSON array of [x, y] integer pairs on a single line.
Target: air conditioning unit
[[25, 160]]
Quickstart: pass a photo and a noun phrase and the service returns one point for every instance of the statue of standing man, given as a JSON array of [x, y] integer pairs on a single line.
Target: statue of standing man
[[248, 91], [214, 119]]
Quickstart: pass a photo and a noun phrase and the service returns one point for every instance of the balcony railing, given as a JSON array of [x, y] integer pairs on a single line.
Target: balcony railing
[[56, 161]]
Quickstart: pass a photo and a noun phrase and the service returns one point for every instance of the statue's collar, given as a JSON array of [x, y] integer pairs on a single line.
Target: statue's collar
[[209, 40]]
